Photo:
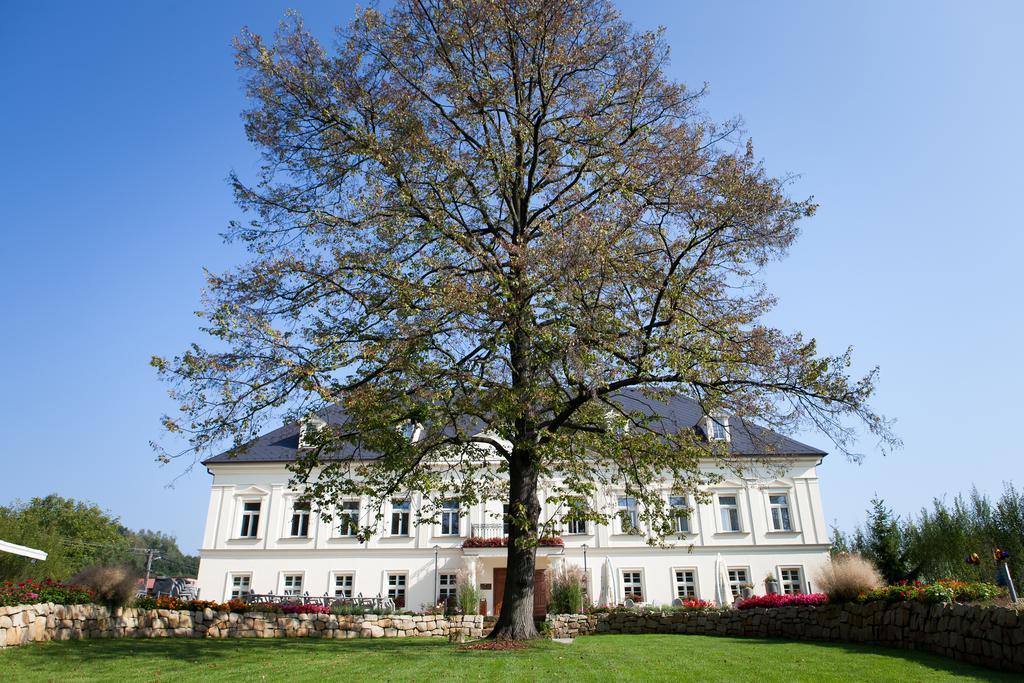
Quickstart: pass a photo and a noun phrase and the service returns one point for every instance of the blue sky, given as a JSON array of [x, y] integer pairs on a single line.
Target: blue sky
[[121, 122]]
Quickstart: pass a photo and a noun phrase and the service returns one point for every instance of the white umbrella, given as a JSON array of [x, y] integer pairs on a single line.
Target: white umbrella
[[607, 596], [722, 591]]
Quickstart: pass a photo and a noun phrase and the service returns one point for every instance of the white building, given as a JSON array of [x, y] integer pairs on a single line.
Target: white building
[[768, 522]]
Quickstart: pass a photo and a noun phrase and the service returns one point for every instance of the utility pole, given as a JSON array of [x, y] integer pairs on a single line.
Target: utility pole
[[151, 554]]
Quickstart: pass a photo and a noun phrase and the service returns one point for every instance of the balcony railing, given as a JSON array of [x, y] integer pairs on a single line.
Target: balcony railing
[[489, 530], [326, 600]]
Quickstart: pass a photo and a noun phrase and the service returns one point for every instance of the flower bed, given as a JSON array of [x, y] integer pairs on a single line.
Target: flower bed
[[690, 605], [502, 541], [781, 600], [943, 590], [31, 592]]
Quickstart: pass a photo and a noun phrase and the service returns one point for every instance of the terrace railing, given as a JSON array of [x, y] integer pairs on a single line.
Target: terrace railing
[[367, 602], [489, 530]]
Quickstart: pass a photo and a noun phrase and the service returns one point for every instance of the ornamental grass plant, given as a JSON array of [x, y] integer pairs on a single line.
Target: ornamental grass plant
[[568, 591], [847, 576], [467, 594], [114, 585]]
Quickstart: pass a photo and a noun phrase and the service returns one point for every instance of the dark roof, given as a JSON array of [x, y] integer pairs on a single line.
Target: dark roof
[[676, 414]]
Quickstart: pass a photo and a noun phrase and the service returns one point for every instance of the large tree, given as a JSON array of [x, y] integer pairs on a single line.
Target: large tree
[[490, 218]]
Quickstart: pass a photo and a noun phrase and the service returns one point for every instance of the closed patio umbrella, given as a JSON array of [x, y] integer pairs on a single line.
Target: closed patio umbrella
[[607, 596], [722, 591]]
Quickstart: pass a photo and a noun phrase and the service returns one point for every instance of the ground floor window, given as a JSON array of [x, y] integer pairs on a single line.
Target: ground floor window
[[632, 585], [241, 584], [686, 583], [396, 589], [446, 587], [792, 582], [343, 583], [738, 577], [291, 584]]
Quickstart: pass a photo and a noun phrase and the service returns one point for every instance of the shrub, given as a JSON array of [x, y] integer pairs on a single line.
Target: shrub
[[347, 609], [781, 600], [567, 591], [113, 584], [502, 541], [270, 607], [32, 592], [237, 605], [847, 576], [304, 608], [694, 605], [943, 590], [689, 605]]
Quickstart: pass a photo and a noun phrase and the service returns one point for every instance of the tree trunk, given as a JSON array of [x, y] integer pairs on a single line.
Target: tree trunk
[[516, 619]]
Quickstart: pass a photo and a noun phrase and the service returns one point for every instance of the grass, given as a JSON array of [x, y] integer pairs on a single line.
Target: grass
[[594, 658]]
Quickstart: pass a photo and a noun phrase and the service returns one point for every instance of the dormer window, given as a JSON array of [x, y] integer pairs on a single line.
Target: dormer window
[[408, 430], [718, 428], [308, 429]]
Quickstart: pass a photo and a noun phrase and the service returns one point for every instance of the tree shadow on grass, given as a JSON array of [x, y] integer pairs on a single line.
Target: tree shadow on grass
[[199, 651], [865, 655]]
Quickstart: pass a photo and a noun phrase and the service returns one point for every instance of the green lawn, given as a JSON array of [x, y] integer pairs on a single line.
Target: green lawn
[[595, 658]]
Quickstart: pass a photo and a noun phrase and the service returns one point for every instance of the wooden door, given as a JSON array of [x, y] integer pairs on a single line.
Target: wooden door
[[541, 591], [498, 588]]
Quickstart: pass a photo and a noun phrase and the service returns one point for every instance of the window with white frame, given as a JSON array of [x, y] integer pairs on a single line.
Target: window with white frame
[[450, 515], [574, 523], [632, 585], [300, 520], [447, 583], [408, 430], [629, 516], [738, 578], [686, 583], [792, 582], [729, 509], [400, 517], [718, 429], [680, 511], [348, 518], [250, 519], [241, 584], [343, 584], [779, 505], [396, 588], [291, 584]]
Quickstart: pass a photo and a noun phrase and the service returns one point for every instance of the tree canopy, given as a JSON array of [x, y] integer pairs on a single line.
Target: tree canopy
[[78, 534], [935, 543], [487, 218]]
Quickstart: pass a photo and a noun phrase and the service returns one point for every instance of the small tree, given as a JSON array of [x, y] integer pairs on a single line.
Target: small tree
[[885, 541], [491, 218]]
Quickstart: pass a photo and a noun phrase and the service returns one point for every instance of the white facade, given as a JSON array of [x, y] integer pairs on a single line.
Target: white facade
[[780, 532]]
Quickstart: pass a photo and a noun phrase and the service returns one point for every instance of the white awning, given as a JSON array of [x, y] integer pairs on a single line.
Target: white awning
[[24, 551]]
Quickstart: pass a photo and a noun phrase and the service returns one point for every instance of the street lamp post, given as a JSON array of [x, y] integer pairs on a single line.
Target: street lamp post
[[586, 575], [436, 548]]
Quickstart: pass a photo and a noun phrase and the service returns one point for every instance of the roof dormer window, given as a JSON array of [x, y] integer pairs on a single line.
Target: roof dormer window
[[408, 430], [309, 427], [718, 428]]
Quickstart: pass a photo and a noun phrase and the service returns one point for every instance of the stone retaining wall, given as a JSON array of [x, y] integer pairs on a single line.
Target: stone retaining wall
[[29, 623], [988, 636]]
